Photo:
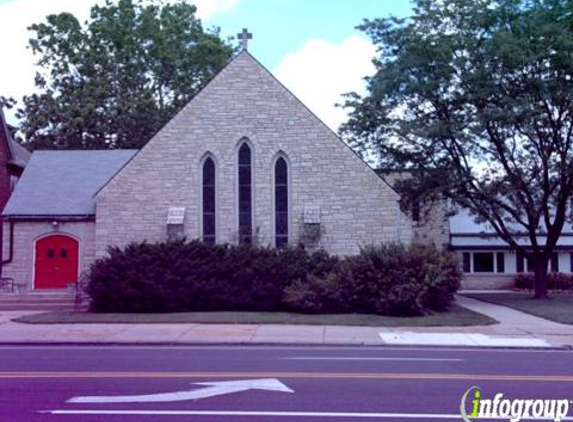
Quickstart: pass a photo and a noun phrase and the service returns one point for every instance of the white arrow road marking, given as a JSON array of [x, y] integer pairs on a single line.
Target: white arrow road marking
[[213, 389]]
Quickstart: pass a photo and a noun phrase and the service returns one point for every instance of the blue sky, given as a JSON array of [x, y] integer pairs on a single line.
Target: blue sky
[[283, 26], [311, 46]]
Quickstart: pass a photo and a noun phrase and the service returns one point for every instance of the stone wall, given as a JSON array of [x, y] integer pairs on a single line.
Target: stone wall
[[487, 281], [21, 269], [433, 225], [245, 101]]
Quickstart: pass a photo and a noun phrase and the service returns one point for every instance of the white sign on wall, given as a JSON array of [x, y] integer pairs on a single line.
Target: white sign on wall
[[176, 215]]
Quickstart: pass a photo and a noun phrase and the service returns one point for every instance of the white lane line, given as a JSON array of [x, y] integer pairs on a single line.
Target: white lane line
[[267, 413], [375, 359]]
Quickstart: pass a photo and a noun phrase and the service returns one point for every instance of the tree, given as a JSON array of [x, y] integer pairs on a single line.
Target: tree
[[477, 97], [116, 80], [6, 102]]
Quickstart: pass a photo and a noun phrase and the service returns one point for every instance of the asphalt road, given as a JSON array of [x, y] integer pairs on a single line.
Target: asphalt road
[[142, 383]]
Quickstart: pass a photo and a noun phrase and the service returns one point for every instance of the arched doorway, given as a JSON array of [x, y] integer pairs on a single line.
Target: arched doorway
[[56, 262]]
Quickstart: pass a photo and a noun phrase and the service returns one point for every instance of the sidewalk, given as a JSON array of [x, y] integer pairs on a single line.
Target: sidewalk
[[516, 329]]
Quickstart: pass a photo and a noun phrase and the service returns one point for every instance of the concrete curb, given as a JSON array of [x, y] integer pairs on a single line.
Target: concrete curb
[[274, 345]]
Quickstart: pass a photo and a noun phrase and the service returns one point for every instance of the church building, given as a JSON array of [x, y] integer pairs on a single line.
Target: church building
[[244, 162]]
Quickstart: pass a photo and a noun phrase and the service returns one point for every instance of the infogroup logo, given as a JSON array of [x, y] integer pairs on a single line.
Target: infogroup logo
[[512, 409]]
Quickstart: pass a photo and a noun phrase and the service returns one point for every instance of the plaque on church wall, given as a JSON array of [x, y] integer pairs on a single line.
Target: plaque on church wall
[[176, 215], [311, 215]]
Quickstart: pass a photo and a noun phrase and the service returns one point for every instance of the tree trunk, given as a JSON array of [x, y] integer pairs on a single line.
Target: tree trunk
[[541, 278]]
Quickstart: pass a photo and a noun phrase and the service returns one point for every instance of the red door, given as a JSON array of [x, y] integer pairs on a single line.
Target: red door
[[56, 262]]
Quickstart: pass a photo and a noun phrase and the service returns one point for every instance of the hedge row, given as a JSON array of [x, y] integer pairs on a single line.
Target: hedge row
[[555, 281], [385, 280], [180, 277]]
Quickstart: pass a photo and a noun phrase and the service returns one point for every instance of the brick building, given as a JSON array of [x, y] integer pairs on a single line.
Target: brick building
[[244, 162], [13, 160]]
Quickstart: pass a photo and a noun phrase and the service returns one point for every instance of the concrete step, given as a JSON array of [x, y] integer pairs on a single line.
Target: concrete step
[[38, 307], [32, 295], [37, 301]]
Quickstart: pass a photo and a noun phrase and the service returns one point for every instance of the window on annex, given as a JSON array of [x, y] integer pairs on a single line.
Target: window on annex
[[500, 261], [483, 262], [467, 262], [554, 262], [527, 264]]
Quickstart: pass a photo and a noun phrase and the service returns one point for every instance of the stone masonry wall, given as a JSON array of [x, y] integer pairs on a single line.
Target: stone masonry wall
[[245, 101], [433, 226], [21, 269], [487, 281]]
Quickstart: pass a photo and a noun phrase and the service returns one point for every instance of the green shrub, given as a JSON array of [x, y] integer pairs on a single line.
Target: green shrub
[[524, 281], [316, 295], [388, 280], [555, 281], [180, 276]]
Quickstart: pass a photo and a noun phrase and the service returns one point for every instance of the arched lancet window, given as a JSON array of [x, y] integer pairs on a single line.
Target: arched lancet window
[[209, 214], [245, 196], [281, 203]]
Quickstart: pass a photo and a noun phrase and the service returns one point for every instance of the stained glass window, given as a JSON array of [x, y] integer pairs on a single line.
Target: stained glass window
[[209, 201], [245, 196], [281, 203]]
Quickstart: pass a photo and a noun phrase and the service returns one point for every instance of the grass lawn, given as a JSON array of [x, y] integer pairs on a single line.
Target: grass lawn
[[558, 308], [458, 316]]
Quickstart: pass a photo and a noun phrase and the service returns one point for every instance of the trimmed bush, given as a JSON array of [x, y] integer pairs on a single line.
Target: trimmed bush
[[185, 277], [179, 276], [388, 280], [555, 281]]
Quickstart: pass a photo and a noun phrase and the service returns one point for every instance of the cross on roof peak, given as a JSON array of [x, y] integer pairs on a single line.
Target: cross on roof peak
[[244, 36]]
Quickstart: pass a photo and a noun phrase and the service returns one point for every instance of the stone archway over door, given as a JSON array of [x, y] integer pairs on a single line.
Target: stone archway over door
[[56, 262]]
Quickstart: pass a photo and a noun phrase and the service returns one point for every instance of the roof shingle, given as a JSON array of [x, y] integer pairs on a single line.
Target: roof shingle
[[63, 183]]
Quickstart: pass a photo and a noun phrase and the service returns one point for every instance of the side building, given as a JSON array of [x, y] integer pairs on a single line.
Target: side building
[[488, 262], [49, 222]]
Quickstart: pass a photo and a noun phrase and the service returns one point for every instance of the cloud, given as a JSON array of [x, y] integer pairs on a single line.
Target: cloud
[[17, 70], [207, 8], [320, 72]]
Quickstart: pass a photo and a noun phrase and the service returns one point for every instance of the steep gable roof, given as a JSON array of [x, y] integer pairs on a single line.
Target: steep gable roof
[[62, 183], [228, 75], [20, 155], [16, 154]]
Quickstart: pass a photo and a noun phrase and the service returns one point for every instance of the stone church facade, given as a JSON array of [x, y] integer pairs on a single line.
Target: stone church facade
[[244, 162]]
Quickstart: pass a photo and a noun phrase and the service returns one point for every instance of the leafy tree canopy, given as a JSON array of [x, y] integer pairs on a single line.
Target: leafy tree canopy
[[6, 102], [114, 81], [477, 97]]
